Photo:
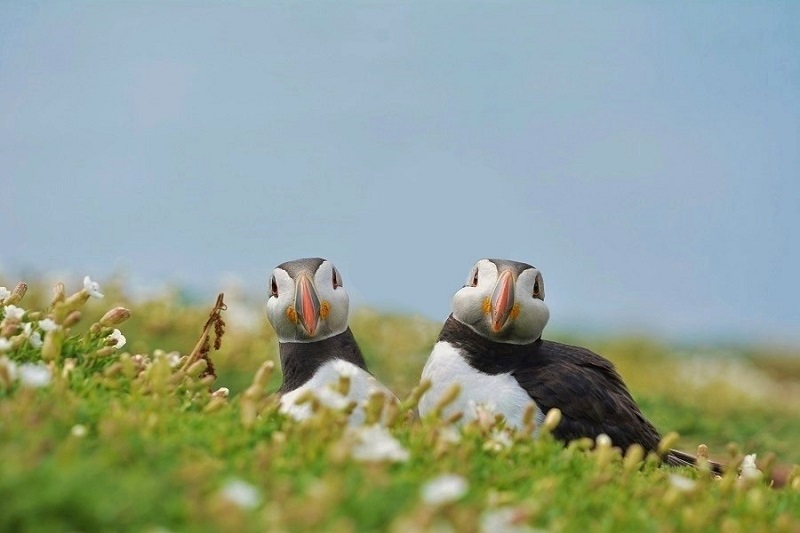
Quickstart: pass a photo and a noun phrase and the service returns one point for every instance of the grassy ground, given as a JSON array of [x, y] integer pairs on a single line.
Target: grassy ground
[[133, 439]]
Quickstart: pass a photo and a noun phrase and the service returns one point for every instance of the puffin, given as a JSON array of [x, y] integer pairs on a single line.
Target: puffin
[[492, 346], [308, 308]]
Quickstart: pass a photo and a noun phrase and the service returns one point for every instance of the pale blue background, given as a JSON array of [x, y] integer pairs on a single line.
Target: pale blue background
[[644, 156]]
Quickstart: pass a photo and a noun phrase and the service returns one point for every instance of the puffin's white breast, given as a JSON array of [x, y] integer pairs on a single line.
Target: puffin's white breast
[[323, 385], [499, 393]]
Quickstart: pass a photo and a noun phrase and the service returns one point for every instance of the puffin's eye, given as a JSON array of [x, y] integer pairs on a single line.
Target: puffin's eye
[[538, 287], [337, 279], [475, 278], [273, 287]]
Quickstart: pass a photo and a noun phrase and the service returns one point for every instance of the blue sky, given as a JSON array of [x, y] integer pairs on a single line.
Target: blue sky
[[645, 157]]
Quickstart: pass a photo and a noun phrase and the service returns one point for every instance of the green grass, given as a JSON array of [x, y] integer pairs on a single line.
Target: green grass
[[115, 444]]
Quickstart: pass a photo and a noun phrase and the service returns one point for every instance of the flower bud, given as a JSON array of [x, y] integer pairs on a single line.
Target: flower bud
[[197, 368], [215, 404], [8, 372], [17, 294], [118, 315], [51, 348], [667, 443], [105, 351], [69, 366], [8, 328], [76, 300], [633, 457], [72, 319], [413, 399], [528, 415], [343, 385], [448, 397], [553, 419], [702, 451], [59, 294], [263, 374], [374, 407]]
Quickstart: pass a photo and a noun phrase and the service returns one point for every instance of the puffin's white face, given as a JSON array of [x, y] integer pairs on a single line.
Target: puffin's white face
[[307, 302], [503, 301]]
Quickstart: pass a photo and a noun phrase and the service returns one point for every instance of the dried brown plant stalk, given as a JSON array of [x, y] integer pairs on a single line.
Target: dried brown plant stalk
[[203, 347]]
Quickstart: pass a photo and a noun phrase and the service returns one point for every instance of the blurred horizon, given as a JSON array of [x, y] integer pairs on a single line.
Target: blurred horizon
[[644, 157]]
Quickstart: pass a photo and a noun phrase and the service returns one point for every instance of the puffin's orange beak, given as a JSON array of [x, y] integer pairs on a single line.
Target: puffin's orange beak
[[306, 304], [502, 301]]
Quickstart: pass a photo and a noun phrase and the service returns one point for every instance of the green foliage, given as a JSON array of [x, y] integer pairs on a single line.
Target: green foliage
[[95, 437]]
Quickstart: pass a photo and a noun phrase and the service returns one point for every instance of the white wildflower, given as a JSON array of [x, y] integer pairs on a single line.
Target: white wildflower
[[499, 440], [682, 483], [483, 413], [375, 443], [36, 340], [34, 375], [173, 358], [504, 520], [4, 293], [332, 399], [78, 430], [118, 337], [749, 468], [92, 287], [241, 494], [48, 324], [450, 435], [446, 488], [14, 313], [5, 344]]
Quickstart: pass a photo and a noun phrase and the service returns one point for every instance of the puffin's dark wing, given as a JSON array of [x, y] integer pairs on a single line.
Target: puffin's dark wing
[[590, 393]]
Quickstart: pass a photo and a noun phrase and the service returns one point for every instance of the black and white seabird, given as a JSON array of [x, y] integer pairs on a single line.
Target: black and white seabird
[[308, 309], [491, 346]]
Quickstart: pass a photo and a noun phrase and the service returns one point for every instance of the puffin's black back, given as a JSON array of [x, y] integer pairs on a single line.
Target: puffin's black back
[[587, 389], [301, 360]]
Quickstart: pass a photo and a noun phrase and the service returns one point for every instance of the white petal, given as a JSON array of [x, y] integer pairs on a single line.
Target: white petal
[[5, 344], [682, 483], [48, 324], [444, 489], [118, 337], [92, 287], [36, 339], [241, 493], [4, 293], [332, 399], [34, 375], [375, 443], [14, 313], [749, 468], [503, 520]]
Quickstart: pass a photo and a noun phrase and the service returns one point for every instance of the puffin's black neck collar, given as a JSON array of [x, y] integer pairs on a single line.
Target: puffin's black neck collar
[[486, 355], [301, 360]]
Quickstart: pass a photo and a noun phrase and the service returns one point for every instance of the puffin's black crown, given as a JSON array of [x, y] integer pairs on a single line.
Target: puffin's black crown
[[515, 266], [294, 267]]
